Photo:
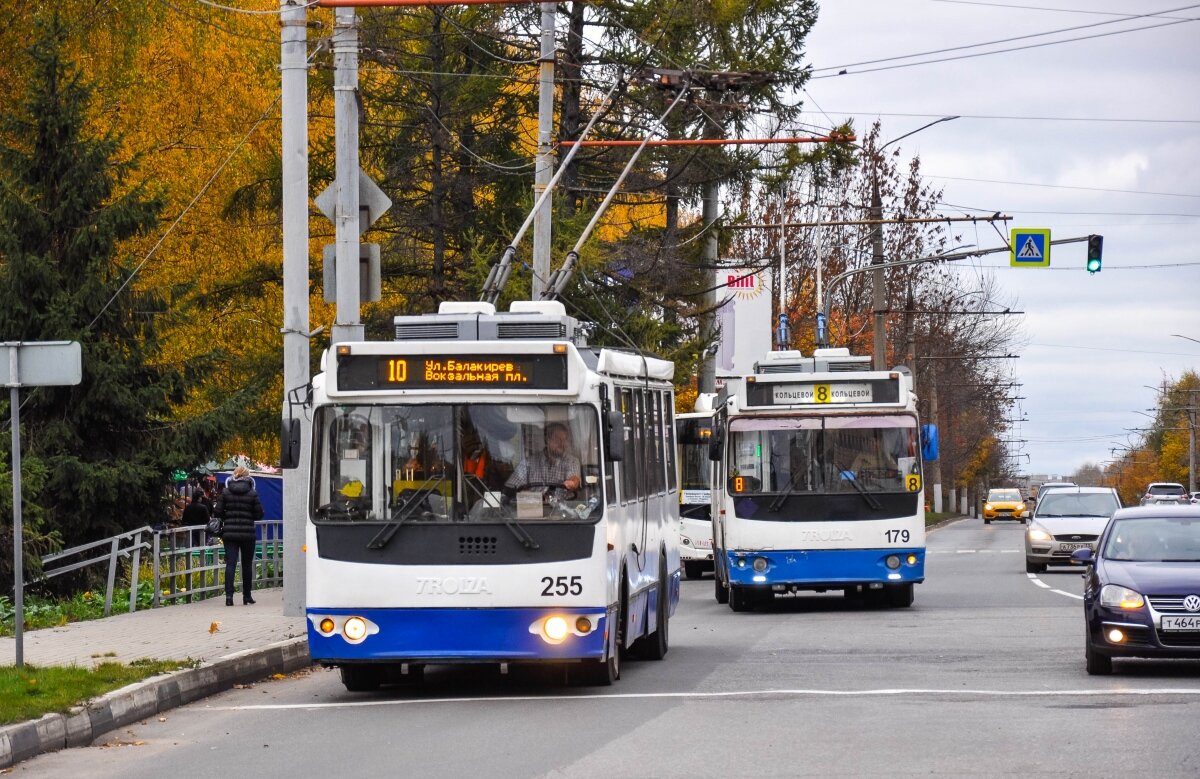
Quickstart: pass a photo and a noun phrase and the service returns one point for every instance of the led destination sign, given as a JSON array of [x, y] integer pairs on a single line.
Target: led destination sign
[[871, 392], [459, 371]]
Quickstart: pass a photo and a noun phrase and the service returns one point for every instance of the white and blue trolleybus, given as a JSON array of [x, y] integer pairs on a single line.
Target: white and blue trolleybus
[[693, 436], [818, 481], [487, 489]]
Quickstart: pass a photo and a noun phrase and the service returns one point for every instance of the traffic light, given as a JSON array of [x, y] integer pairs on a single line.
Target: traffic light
[[1095, 253]]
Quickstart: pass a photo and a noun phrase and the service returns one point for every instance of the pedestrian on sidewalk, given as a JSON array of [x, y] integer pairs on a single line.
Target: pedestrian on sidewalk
[[239, 508], [196, 513]]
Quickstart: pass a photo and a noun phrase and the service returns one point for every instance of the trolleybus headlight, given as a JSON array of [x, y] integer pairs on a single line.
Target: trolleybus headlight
[[583, 625], [354, 629], [893, 561], [327, 627], [741, 562], [759, 564], [555, 628], [911, 559]]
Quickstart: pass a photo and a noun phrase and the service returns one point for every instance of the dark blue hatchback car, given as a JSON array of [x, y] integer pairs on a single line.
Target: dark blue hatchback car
[[1141, 595]]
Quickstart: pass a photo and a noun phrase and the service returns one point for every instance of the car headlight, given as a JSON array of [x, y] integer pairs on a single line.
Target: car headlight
[[987, 506], [1037, 534], [1117, 597], [1020, 507]]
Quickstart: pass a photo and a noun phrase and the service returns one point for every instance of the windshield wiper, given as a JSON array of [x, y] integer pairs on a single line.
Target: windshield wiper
[[868, 497], [519, 532], [406, 510], [787, 493]]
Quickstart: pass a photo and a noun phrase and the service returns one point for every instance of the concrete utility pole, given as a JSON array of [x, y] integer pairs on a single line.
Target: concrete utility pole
[[879, 293], [707, 380], [544, 167], [347, 324], [293, 65]]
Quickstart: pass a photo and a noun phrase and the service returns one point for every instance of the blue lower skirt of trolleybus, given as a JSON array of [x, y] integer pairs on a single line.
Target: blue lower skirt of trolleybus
[[455, 635], [825, 566]]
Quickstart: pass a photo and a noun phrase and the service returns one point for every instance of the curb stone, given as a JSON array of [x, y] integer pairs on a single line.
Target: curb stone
[[82, 725]]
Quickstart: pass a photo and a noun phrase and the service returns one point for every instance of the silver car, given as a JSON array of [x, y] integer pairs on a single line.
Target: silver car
[[1167, 492], [1066, 519]]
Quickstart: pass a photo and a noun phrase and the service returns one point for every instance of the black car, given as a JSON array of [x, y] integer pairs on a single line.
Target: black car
[[1141, 594]]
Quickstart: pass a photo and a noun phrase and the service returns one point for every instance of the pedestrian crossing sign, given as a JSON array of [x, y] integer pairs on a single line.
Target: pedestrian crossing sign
[[1029, 247]]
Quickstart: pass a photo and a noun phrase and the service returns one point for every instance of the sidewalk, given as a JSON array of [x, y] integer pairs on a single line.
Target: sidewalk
[[232, 644]]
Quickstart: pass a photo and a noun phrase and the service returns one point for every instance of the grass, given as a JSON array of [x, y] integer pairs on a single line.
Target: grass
[[932, 518], [29, 692], [45, 612]]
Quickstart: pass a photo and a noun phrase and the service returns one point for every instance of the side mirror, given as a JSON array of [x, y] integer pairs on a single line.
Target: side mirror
[[614, 436], [289, 444], [716, 445], [929, 442], [1082, 557]]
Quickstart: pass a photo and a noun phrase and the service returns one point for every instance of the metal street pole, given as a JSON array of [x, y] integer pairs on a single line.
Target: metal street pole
[[879, 295], [14, 405], [293, 65]]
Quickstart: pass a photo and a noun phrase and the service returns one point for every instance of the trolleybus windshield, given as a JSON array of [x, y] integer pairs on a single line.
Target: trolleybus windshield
[[785, 456], [440, 463]]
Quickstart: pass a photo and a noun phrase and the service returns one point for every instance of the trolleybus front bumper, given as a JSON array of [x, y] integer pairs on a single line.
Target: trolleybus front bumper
[[456, 635], [814, 568]]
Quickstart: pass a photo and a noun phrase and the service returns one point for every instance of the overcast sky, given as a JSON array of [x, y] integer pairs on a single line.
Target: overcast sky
[[1093, 341]]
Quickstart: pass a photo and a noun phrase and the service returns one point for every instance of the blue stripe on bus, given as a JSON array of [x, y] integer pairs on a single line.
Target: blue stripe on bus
[[825, 566], [476, 635]]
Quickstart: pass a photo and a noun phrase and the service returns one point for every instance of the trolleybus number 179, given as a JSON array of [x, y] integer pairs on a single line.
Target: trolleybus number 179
[[563, 585], [896, 535]]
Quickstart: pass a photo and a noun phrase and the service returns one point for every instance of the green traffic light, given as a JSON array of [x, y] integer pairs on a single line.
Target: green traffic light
[[1095, 251]]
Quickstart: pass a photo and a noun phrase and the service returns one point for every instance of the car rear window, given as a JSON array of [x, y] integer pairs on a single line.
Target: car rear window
[[1085, 504], [1167, 489]]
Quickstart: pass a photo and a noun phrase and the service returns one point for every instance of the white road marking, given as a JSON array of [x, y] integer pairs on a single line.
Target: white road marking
[[1033, 577], [1092, 693], [973, 551]]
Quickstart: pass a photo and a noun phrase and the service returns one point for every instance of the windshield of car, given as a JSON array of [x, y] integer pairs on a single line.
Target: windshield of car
[[1004, 496], [1167, 489], [455, 463], [1161, 540], [1077, 504], [694, 436]]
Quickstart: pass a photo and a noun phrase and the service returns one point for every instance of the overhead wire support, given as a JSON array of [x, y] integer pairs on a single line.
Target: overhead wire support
[[498, 275], [900, 220], [831, 138], [559, 279]]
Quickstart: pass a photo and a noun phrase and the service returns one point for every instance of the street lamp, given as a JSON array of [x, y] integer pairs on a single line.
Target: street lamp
[[1186, 337], [879, 294]]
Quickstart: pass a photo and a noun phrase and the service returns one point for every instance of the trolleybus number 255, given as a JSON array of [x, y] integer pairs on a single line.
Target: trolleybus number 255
[[562, 585]]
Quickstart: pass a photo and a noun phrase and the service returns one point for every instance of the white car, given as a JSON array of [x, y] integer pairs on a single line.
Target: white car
[[1066, 519]]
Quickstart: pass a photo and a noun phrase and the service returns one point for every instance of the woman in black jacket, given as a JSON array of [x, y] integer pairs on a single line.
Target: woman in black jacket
[[239, 508]]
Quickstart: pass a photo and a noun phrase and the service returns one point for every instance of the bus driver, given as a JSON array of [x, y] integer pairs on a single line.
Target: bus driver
[[553, 466]]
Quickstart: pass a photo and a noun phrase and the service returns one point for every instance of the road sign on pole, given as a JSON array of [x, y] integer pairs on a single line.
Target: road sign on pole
[[1029, 247], [30, 364]]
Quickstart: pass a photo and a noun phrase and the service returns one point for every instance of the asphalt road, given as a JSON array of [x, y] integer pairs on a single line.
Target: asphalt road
[[983, 676]]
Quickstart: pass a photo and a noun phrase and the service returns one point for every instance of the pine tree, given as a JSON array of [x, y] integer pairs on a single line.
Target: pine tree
[[68, 204]]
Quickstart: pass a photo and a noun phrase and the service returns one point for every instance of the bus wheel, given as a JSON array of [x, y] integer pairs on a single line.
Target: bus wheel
[[722, 590], [603, 673], [361, 678], [901, 596], [654, 646], [741, 598]]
